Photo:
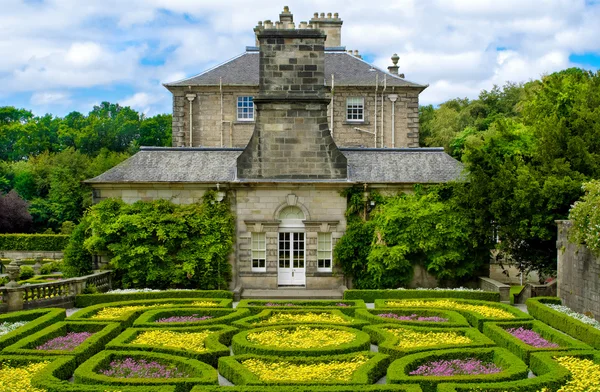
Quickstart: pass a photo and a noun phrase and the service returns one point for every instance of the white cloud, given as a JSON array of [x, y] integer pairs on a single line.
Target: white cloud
[[50, 98]]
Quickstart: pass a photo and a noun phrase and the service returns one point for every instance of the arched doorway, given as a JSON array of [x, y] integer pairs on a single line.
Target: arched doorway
[[291, 248]]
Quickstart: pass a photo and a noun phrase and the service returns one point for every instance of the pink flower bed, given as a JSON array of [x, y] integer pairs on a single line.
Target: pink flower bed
[[455, 367], [276, 304], [183, 319], [413, 317], [531, 338], [66, 343], [130, 368]]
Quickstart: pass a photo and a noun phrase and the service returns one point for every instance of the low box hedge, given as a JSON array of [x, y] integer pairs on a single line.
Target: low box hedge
[[549, 374], [564, 323], [200, 373], [232, 369], [85, 300], [219, 316], [513, 367], [37, 319], [388, 342], [102, 334], [455, 319], [86, 314], [34, 242], [260, 319], [346, 307], [372, 295], [312, 388], [475, 319], [497, 332], [216, 343], [241, 345]]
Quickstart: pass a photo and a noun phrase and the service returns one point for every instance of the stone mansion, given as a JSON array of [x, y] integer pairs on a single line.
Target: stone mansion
[[281, 130]]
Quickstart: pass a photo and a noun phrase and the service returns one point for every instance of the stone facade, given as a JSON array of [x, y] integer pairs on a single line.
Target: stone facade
[[578, 274]]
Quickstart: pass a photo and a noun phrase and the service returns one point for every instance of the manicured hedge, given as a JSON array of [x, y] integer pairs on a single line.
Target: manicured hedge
[[126, 320], [549, 374], [455, 319], [220, 316], [257, 306], [241, 345], [313, 388], [216, 343], [498, 333], [85, 300], [201, 373], [102, 334], [34, 242], [513, 367], [37, 320], [249, 322], [232, 369], [475, 319], [372, 295], [388, 343], [564, 323]]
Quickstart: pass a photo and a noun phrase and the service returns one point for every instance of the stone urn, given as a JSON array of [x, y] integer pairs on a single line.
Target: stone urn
[[14, 270]]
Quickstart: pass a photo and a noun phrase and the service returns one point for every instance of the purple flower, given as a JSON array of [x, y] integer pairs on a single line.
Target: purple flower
[[531, 338], [66, 343], [455, 367], [413, 317], [341, 304], [130, 368], [276, 304], [183, 319]]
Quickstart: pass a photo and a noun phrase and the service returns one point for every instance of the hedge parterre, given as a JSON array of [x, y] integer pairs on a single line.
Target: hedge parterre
[[175, 343]]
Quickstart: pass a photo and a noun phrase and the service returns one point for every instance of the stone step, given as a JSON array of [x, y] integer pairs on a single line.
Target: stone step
[[291, 293]]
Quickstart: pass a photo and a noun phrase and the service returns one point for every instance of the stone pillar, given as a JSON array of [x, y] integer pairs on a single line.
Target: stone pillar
[[291, 137]]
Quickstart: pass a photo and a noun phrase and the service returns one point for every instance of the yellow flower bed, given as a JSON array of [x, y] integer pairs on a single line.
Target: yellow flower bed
[[288, 371], [120, 311], [301, 337], [483, 310], [189, 340], [586, 375], [18, 379], [409, 338], [282, 318], [205, 304]]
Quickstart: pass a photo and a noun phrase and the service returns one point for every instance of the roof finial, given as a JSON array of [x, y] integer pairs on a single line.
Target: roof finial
[[395, 59]]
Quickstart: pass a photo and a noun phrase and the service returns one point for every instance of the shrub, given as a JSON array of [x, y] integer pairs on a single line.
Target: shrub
[[360, 341], [34, 242], [586, 218], [216, 343], [200, 373], [14, 214], [77, 260], [564, 323], [82, 301], [455, 320], [512, 367], [48, 268], [26, 273], [372, 295], [498, 333], [36, 320], [263, 319], [232, 368]]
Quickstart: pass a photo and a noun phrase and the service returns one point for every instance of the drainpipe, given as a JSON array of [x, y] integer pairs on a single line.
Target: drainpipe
[[221, 92], [393, 98], [382, 105], [376, 87], [191, 97], [332, 107]]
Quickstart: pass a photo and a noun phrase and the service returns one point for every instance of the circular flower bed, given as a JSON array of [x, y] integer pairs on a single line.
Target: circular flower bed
[[309, 339], [306, 318]]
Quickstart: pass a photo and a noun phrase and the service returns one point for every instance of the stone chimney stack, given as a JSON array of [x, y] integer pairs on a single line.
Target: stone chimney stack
[[331, 25], [291, 138]]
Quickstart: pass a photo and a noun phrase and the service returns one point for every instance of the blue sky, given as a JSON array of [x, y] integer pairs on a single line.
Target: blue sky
[[65, 55]]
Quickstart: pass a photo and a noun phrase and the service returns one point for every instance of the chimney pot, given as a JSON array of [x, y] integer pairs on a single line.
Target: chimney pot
[[316, 15], [322, 15], [329, 15], [286, 9], [336, 15]]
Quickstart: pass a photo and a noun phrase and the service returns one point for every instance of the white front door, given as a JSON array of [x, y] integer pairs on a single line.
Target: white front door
[[292, 263]]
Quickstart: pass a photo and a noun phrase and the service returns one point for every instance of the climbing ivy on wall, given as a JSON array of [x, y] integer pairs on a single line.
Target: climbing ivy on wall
[[159, 244], [585, 215]]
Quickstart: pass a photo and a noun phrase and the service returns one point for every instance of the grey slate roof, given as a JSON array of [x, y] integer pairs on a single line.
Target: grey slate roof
[[212, 165], [348, 70]]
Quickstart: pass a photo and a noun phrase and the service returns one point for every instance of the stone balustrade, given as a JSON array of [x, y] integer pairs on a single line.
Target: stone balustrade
[[487, 284]]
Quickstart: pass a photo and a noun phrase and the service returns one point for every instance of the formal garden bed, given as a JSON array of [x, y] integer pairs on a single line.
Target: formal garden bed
[[167, 342]]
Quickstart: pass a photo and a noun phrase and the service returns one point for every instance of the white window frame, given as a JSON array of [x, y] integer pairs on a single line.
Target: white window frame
[[244, 102], [258, 252], [355, 109], [324, 252]]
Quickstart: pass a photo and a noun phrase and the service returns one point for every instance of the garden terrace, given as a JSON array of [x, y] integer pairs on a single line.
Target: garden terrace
[[166, 342]]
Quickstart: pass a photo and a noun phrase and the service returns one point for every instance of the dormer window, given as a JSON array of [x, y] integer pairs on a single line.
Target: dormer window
[[245, 108], [355, 109]]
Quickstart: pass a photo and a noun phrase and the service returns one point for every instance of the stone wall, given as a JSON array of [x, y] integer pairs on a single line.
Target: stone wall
[[578, 274], [18, 254]]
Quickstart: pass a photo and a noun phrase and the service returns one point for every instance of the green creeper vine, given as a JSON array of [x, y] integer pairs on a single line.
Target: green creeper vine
[[585, 215]]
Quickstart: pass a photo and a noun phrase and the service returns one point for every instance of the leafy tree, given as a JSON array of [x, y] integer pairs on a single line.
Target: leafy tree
[[585, 215], [14, 217]]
